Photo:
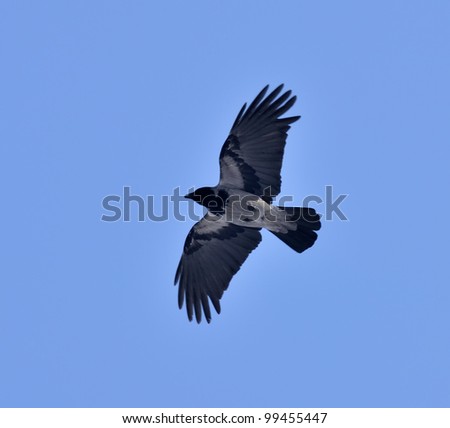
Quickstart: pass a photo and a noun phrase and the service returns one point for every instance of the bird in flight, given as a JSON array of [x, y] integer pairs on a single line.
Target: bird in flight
[[241, 205]]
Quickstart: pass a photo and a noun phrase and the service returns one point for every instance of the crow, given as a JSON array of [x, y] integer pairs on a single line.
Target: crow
[[241, 205]]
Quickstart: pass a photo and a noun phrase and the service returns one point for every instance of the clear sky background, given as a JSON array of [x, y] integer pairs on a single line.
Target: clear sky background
[[98, 95]]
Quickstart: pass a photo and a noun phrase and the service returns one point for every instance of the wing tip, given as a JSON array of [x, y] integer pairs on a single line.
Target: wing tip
[[278, 89]]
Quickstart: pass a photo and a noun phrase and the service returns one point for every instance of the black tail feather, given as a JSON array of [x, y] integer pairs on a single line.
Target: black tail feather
[[304, 236]]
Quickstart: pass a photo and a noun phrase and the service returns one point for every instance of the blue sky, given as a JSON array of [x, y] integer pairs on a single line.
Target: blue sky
[[99, 95]]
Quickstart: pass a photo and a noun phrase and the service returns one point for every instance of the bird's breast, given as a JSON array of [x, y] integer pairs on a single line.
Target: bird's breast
[[245, 209]]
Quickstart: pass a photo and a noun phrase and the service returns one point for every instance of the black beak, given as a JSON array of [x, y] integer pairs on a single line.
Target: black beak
[[189, 196]]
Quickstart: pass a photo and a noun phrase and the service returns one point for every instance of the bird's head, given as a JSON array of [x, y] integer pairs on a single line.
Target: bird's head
[[201, 195]]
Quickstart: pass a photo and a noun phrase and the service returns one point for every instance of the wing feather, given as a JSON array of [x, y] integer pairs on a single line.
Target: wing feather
[[213, 252], [252, 156]]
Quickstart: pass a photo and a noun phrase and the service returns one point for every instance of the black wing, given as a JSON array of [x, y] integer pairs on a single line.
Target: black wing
[[252, 155], [213, 252]]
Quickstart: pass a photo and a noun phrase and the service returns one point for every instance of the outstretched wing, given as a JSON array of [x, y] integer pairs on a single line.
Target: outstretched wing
[[252, 155], [213, 252]]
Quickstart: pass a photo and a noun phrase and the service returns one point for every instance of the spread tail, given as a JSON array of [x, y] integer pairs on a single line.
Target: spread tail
[[303, 236]]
